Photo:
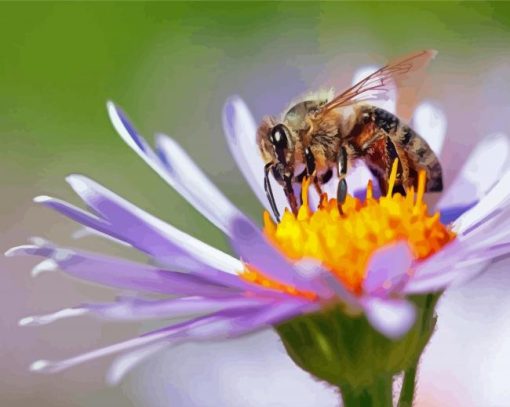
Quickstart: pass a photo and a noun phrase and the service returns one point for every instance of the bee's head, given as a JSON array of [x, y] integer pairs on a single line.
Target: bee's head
[[276, 146]]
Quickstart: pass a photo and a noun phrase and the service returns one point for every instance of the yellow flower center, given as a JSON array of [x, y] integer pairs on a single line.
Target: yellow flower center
[[345, 243]]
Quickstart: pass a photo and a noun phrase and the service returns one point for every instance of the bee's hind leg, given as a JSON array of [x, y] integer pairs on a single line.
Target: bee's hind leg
[[341, 190]]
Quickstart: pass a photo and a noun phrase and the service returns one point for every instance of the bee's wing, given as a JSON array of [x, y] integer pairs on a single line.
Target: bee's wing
[[377, 85]]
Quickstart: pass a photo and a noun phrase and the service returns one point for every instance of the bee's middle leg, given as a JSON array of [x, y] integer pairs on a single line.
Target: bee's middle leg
[[311, 171], [341, 190]]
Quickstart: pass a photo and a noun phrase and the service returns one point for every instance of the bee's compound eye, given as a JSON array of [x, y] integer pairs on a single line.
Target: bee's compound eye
[[278, 137]]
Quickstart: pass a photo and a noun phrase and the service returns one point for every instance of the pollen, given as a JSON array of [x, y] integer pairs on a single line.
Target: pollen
[[345, 243]]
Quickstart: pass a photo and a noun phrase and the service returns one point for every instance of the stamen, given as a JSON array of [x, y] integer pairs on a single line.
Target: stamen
[[345, 244], [370, 191], [422, 180], [393, 177]]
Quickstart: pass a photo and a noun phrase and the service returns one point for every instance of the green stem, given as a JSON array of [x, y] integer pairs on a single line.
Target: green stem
[[379, 394], [408, 387], [406, 398]]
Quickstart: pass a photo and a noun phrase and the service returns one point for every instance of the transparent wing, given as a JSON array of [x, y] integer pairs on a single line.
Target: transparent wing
[[378, 84]]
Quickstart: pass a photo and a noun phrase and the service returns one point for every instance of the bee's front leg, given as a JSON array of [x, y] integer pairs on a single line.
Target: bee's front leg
[[341, 191], [289, 193]]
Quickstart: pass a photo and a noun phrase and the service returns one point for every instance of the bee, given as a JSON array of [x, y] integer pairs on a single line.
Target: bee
[[327, 134]]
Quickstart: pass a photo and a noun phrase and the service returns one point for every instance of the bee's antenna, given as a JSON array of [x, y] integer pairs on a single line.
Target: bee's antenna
[[269, 191]]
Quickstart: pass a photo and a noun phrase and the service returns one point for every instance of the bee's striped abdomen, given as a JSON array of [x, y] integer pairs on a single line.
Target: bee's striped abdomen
[[400, 141], [420, 156]]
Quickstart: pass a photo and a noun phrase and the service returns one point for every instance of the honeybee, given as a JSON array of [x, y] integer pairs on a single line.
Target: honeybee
[[325, 134]]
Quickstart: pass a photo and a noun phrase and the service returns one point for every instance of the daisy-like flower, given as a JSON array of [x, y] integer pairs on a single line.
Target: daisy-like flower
[[351, 296]]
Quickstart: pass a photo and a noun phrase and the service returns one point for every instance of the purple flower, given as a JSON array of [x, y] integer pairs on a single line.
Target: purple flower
[[221, 296]]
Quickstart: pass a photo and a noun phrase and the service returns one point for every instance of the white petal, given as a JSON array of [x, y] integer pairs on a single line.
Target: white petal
[[493, 201], [95, 195], [125, 363], [46, 366], [194, 185], [49, 318], [44, 266], [86, 232], [240, 131], [172, 165], [390, 103], [482, 170], [430, 123]]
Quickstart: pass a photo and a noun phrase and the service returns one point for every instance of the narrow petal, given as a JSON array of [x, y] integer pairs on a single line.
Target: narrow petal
[[47, 265], [75, 213], [197, 188], [430, 123], [430, 283], [254, 249], [119, 273], [45, 366], [165, 167], [270, 315], [461, 264], [134, 309], [387, 269], [123, 364], [494, 201], [126, 222], [240, 132], [131, 309], [392, 317], [265, 317], [452, 213], [325, 284], [49, 318], [202, 328], [477, 176], [85, 231]]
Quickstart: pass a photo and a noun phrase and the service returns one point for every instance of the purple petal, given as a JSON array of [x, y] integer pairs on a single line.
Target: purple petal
[[273, 314], [253, 248], [463, 266], [495, 200], [194, 185], [147, 233], [240, 131], [392, 317], [75, 213], [476, 177], [124, 274], [452, 213], [265, 317], [387, 269], [45, 366], [172, 165], [202, 328], [130, 309], [435, 282], [326, 285]]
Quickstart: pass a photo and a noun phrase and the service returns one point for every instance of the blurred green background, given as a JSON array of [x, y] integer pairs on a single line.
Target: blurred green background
[[171, 67]]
